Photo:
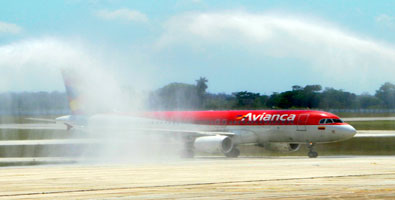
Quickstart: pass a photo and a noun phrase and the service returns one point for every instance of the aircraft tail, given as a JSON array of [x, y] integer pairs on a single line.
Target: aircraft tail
[[73, 94], [88, 92]]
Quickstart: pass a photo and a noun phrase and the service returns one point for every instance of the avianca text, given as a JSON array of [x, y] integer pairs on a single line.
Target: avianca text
[[267, 117]]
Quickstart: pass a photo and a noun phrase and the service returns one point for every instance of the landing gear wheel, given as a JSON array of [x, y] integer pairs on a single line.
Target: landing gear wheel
[[311, 153], [234, 153]]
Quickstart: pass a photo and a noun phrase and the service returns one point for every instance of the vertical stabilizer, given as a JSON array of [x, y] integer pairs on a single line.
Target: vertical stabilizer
[[73, 93]]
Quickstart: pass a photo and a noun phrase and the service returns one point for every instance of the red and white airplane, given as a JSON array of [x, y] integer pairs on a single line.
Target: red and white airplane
[[224, 131]]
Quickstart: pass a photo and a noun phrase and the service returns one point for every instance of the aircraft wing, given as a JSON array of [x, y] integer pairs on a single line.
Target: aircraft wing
[[375, 133], [68, 125], [97, 141], [63, 126], [186, 132]]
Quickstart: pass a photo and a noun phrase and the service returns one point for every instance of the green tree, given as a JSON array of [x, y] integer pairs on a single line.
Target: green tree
[[332, 98], [175, 96], [297, 87], [386, 94], [298, 97], [312, 88], [201, 87], [273, 100], [247, 99], [311, 96], [219, 101], [366, 101]]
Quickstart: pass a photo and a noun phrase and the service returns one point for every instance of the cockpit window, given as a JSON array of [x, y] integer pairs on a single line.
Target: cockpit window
[[338, 120], [330, 121]]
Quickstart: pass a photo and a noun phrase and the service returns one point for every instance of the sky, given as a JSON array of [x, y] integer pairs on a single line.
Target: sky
[[258, 46]]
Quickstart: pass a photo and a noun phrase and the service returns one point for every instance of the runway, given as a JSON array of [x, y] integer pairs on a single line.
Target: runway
[[361, 177], [350, 119], [33, 126], [296, 177]]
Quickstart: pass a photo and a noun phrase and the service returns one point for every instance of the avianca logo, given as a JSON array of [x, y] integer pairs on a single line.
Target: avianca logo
[[266, 117]]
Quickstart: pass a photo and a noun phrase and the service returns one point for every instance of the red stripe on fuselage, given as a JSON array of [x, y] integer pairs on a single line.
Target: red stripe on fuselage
[[244, 117]]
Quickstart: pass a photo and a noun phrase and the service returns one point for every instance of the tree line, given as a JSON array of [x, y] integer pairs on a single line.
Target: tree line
[[182, 96], [195, 96], [31, 103]]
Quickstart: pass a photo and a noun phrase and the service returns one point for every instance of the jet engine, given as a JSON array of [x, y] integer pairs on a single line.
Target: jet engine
[[281, 147], [213, 144]]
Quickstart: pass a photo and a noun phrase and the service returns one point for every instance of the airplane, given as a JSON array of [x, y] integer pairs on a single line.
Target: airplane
[[223, 131]]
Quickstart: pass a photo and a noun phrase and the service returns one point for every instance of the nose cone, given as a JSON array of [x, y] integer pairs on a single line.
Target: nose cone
[[347, 131]]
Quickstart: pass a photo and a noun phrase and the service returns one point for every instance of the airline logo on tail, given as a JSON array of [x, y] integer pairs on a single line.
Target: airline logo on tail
[[73, 95], [266, 117]]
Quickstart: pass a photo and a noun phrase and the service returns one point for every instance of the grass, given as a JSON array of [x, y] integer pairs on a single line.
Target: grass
[[373, 125], [25, 134], [349, 114], [23, 119]]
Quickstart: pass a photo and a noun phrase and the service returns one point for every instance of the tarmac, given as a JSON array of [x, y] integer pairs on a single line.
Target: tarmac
[[356, 177], [349, 119], [294, 177], [33, 126]]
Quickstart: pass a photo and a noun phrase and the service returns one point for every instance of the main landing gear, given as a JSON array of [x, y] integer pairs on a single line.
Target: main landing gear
[[311, 153]]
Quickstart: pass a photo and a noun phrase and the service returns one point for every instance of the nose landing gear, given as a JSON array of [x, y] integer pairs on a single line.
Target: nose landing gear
[[311, 153]]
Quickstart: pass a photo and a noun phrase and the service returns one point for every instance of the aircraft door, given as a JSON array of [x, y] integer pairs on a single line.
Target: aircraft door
[[302, 121]]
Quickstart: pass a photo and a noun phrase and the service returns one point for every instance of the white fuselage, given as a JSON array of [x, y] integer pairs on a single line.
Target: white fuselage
[[242, 133]]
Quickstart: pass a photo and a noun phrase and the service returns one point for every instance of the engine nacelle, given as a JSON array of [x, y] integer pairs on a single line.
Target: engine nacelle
[[213, 144], [281, 147]]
